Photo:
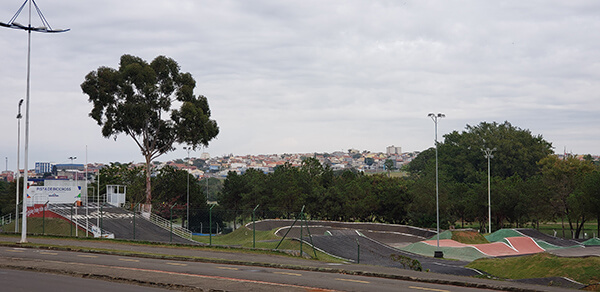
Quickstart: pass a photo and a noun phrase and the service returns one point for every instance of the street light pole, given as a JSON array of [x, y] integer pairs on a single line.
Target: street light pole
[[19, 116], [45, 28], [488, 155], [438, 253], [188, 188]]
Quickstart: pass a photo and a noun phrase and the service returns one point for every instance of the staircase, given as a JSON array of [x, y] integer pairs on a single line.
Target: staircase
[[77, 215]]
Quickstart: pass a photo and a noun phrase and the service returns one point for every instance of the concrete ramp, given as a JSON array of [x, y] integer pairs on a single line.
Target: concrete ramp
[[512, 247], [524, 245]]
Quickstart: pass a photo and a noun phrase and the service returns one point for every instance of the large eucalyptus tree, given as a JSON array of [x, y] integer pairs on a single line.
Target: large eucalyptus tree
[[153, 103]]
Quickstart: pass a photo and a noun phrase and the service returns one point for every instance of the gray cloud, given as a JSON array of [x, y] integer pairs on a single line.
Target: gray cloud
[[303, 76]]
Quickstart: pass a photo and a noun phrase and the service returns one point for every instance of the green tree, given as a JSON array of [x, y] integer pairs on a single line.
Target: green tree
[[138, 100], [589, 194], [563, 178], [389, 166], [170, 186], [463, 171], [287, 193], [124, 174], [517, 151]]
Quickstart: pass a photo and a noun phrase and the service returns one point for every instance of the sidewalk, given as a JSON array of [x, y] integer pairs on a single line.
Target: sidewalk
[[223, 256]]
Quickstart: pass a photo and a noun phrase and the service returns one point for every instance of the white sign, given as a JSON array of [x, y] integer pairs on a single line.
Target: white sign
[[53, 194]]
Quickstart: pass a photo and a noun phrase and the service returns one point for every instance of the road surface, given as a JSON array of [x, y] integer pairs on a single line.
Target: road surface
[[205, 276]]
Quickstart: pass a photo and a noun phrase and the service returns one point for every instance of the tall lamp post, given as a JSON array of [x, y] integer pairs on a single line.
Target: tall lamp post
[[187, 224], [19, 116], [488, 154], [438, 253], [48, 29]]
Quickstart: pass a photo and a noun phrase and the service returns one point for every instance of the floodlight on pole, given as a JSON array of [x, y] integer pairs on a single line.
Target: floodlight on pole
[[19, 116], [488, 154], [438, 253], [47, 29]]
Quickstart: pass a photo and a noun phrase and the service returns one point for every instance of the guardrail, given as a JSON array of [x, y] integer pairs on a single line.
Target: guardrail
[[166, 224]]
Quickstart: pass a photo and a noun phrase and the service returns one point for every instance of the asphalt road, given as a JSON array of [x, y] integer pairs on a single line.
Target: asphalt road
[[181, 274], [27, 281], [42, 258]]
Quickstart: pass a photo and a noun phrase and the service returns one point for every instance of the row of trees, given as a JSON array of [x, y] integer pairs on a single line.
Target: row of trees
[[349, 196], [529, 185]]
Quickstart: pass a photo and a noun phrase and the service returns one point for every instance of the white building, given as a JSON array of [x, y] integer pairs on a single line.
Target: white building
[[393, 150]]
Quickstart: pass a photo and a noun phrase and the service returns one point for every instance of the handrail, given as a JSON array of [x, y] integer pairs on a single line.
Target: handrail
[[64, 210], [166, 224]]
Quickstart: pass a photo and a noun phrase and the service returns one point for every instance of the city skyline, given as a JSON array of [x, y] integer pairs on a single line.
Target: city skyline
[[304, 77]]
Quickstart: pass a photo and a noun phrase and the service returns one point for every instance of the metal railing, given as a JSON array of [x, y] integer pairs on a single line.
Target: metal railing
[[166, 224], [79, 219]]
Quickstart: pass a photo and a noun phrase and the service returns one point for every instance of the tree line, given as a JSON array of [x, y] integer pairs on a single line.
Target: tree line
[[529, 185]]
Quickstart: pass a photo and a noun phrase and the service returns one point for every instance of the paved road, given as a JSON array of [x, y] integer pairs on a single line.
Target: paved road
[[255, 266], [26, 281], [203, 275]]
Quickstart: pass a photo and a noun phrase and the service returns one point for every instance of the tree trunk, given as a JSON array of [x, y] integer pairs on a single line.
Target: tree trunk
[[579, 227], [562, 222], [148, 204]]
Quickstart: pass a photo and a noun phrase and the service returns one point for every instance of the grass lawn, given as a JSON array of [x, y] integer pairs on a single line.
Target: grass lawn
[[583, 270], [469, 237], [242, 237], [49, 226]]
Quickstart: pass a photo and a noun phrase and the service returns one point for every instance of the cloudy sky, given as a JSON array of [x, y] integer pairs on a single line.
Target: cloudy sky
[[314, 76]]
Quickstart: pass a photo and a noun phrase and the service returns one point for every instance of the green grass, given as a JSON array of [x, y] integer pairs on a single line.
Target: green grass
[[48, 226], [469, 237], [242, 237], [584, 270]]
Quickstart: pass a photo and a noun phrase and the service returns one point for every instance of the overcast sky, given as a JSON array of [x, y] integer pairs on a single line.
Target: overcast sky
[[313, 76]]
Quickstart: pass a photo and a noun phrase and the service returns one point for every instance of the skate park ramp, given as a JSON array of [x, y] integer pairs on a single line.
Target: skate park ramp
[[552, 240], [504, 242], [592, 241], [373, 241]]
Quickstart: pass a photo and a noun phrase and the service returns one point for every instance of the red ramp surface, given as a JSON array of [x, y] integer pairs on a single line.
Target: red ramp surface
[[524, 245], [518, 246]]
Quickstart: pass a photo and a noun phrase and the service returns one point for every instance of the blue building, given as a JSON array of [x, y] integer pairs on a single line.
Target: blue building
[[43, 167]]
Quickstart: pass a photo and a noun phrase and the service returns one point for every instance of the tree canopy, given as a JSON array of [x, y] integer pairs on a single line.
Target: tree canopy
[[140, 100]]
